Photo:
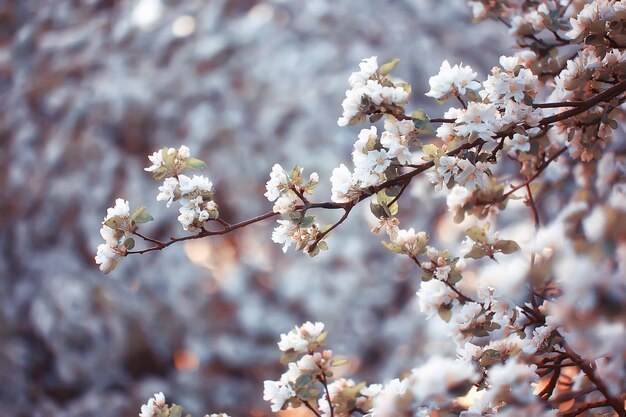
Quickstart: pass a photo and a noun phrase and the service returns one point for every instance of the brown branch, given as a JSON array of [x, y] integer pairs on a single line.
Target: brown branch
[[588, 368], [325, 384], [325, 233], [584, 407], [606, 95], [558, 104], [310, 407], [533, 207], [525, 183], [401, 179], [203, 233]]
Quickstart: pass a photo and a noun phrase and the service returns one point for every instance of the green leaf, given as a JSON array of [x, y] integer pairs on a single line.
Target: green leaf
[[160, 173], [195, 163], [303, 381], [288, 357], [307, 222], [339, 362], [506, 246], [321, 337], [430, 149], [176, 411], [129, 243], [445, 313], [477, 234], [295, 173], [377, 210], [393, 247], [322, 245], [477, 252], [140, 215], [168, 159], [388, 67], [116, 222]]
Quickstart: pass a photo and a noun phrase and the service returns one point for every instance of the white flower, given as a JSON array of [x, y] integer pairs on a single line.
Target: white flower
[[149, 409], [365, 137], [447, 167], [279, 181], [472, 176], [197, 184], [286, 203], [394, 95], [121, 209], [299, 337], [351, 106], [452, 79], [470, 314], [278, 393], [518, 143], [385, 403], [432, 381], [107, 256], [459, 196], [157, 159], [441, 272], [478, 120], [374, 91], [395, 139], [432, 295], [341, 183], [282, 234], [406, 237], [159, 399], [183, 152], [311, 329], [167, 190]]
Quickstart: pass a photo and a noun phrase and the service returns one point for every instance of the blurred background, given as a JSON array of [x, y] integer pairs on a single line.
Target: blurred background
[[89, 88]]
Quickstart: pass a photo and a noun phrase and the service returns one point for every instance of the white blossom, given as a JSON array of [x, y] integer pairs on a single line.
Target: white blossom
[[167, 191], [451, 80], [341, 181]]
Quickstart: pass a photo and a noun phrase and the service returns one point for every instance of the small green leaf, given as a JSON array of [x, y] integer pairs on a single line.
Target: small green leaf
[[321, 337], [322, 245], [160, 173], [377, 210], [430, 149], [477, 234], [506, 246], [169, 159], [115, 222], [445, 313], [339, 362], [195, 163], [393, 247], [140, 215], [176, 411], [288, 357], [129, 243], [388, 67], [303, 381], [476, 252], [307, 222]]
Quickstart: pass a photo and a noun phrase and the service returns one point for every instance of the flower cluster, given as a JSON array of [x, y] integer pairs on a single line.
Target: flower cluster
[[116, 229], [371, 89], [554, 307], [375, 159], [452, 81], [195, 194], [157, 407], [289, 193]]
